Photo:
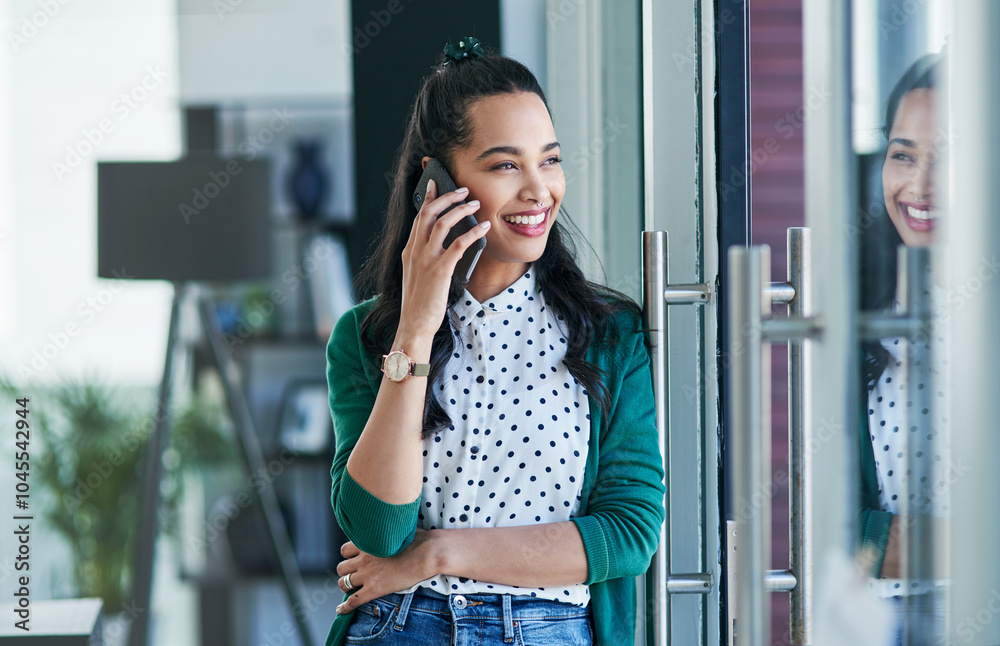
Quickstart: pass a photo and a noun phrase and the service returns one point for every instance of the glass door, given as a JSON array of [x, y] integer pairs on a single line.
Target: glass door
[[891, 401], [680, 62]]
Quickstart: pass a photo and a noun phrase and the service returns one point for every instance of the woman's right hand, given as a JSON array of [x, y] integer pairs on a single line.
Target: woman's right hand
[[428, 266]]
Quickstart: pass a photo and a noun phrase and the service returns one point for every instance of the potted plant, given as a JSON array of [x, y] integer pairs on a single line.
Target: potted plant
[[91, 446]]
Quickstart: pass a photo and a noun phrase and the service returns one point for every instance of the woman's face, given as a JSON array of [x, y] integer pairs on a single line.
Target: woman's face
[[512, 167], [908, 173]]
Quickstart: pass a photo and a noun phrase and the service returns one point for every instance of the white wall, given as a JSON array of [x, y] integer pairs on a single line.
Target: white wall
[[235, 50], [523, 35], [65, 80]]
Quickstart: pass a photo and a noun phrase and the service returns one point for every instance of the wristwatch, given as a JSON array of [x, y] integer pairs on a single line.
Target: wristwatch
[[397, 366]]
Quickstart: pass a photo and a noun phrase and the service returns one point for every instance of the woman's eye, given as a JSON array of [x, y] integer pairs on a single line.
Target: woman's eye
[[901, 156], [554, 160]]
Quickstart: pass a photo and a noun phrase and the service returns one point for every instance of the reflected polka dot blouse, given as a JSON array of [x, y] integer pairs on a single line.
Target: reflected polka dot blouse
[[516, 451], [907, 418]]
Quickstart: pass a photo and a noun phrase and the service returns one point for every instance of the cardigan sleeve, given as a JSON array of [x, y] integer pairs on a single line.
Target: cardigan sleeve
[[376, 527], [625, 510], [873, 523]]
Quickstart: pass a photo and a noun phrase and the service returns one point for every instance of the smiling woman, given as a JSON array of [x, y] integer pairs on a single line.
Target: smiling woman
[[497, 466], [908, 173], [512, 166], [899, 496]]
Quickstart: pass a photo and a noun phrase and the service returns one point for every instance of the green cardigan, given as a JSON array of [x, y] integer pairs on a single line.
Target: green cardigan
[[621, 508], [873, 523]]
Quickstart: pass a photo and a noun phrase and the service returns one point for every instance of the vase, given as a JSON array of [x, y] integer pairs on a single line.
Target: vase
[[308, 181]]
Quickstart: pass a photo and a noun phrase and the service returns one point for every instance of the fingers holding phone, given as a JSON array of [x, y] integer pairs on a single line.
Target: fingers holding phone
[[435, 174], [443, 219], [437, 204], [428, 267], [442, 233]]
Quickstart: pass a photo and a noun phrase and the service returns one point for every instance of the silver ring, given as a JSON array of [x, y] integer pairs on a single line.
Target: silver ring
[[347, 581]]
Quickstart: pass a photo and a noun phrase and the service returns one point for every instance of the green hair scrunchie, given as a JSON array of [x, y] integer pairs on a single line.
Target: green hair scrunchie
[[467, 48]]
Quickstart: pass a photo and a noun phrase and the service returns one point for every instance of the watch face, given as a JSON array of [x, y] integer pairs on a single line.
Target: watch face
[[397, 366]]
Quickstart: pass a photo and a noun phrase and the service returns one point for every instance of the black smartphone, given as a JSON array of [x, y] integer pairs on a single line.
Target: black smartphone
[[436, 171]]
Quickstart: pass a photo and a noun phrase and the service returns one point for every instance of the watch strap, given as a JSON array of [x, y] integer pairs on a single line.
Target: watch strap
[[420, 369]]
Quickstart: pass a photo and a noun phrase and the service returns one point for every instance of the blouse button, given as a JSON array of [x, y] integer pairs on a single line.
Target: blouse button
[[464, 518], [480, 379], [474, 449]]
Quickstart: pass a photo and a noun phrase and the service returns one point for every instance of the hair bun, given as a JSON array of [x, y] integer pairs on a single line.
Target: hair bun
[[467, 48]]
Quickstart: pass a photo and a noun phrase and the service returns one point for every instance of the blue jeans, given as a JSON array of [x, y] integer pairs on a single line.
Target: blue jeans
[[924, 618], [425, 617]]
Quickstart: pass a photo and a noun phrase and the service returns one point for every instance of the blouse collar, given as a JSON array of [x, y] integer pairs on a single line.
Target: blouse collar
[[468, 308]]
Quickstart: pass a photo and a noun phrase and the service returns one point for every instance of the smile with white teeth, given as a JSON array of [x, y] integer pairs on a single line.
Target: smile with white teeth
[[527, 220], [917, 214]]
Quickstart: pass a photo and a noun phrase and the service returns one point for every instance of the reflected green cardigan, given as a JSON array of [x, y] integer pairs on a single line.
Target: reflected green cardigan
[[873, 523], [621, 508]]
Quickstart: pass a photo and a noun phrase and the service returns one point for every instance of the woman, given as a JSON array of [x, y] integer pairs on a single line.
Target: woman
[[513, 491], [900, 492]]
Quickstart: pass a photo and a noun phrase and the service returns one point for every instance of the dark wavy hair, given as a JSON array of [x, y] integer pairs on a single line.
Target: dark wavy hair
[[440, 124], [878, 245]]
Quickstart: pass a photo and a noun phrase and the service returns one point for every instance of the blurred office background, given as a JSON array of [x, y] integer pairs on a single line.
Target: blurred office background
[[94, 92], [111, 81]]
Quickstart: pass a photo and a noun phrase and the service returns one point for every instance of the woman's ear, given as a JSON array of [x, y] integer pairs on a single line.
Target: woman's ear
[[423, 162]]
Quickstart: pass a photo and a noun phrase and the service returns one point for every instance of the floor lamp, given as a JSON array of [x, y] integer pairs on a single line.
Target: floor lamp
[[200, 219]]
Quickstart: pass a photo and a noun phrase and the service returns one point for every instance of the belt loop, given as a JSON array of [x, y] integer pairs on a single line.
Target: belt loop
[[508, 620], [404, 609]]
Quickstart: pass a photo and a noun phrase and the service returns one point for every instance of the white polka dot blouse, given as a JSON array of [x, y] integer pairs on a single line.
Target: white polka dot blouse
[[516, 450], [907, 414]]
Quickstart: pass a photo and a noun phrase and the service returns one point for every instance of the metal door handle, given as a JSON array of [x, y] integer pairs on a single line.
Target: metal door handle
[[750, 373], [657, 294], [752, 331]]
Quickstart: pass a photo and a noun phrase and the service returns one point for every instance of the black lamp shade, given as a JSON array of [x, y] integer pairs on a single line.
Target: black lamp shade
[[202, 218]]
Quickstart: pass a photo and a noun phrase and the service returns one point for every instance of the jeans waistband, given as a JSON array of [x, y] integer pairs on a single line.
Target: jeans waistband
[[500, 607]]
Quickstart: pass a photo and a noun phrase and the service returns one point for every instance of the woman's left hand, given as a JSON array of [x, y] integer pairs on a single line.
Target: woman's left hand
[[373, 577]]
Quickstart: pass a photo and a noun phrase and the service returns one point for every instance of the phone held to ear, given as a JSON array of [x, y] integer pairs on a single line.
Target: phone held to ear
[[436, 171]]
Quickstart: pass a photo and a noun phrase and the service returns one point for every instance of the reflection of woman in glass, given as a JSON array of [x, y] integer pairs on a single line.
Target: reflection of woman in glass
[[506, 484], [899, 407]]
